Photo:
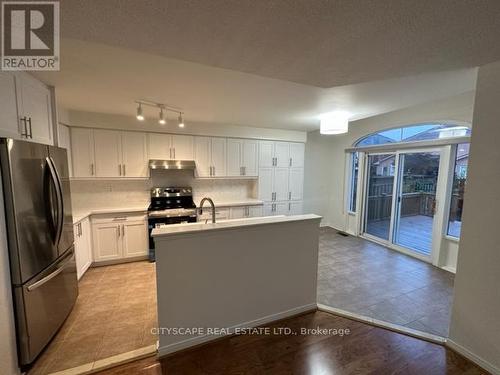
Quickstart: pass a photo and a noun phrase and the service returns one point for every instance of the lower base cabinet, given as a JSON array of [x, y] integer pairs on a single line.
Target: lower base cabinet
[[83, 246], [119, 237], [283, 208], [245, 211]]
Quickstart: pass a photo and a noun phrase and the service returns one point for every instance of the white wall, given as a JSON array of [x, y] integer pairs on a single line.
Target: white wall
[[475, 327], [113, 121], [8, 351]]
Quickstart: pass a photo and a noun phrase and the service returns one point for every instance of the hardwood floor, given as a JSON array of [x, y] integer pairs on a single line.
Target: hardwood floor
[[366, 349]]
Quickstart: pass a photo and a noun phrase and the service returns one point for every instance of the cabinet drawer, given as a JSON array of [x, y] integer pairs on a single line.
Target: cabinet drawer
[[118, 217]]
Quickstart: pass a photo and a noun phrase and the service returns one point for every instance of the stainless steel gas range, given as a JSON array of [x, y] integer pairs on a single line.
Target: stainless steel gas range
[[169, 205]]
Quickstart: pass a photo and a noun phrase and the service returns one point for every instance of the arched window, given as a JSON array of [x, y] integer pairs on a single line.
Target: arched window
[[413, 133]]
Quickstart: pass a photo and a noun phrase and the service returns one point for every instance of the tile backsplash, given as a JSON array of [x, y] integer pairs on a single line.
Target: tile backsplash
[[94, 194]]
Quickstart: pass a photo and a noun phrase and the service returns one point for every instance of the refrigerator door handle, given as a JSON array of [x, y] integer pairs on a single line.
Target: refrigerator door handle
[[59, 196], [51, 275]]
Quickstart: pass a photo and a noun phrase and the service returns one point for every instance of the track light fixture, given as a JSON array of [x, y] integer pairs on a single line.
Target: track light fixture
[[162, 116], [181, 120], [139, 115], [161, 119]]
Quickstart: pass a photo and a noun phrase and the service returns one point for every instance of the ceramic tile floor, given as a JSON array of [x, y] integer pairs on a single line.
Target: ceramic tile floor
[[368, 279], [114, 314]]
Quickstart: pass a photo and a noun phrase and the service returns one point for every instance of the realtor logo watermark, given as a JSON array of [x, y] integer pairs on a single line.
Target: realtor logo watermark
[[30, 35]]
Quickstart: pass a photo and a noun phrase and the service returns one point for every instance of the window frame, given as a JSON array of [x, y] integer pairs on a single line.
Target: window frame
[[353, 183]]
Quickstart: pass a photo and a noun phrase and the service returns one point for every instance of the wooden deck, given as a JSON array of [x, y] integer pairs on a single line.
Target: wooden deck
[[414, 233]]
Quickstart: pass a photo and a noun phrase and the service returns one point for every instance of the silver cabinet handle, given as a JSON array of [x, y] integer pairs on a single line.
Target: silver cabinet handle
[[174, 152], [289, 206], [24, 121], [31, 132], [123, 230], [214, 169], [119, 218], [290, 162], [289, 195], [120, 169], [92, 169], [124, 173]]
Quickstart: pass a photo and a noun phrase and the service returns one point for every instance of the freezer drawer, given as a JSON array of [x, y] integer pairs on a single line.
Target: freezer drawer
[[43, 304]]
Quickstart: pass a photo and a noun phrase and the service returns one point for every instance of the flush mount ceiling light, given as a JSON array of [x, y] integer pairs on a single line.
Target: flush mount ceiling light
[[164, 109], [334, 123]]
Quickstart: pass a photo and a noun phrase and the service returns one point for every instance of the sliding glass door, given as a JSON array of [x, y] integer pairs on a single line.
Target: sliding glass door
[[416, 200], [400, 199], [380, 185]]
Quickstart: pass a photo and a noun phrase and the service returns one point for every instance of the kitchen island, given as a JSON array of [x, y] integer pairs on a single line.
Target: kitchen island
[[215, 279]]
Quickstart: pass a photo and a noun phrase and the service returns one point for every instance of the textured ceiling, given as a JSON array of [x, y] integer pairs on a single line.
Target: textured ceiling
[[314, 42], [100, 78]]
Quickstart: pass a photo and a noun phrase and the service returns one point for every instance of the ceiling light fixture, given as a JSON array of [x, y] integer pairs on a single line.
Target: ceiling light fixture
[[139, 115], [163, 111], [181, 120], [161, 119], [334, 123]]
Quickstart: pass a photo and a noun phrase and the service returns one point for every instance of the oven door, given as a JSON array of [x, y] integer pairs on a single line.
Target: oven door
[[155, 221]]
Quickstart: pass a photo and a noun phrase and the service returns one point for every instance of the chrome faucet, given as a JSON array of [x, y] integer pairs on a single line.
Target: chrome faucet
[[211, 204]]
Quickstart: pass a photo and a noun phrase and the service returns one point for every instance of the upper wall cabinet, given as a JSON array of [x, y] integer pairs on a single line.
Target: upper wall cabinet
[[242, 157], [167, 147], [210, 156], [26, 108], [108, 153], [281, 154], [82, 152]]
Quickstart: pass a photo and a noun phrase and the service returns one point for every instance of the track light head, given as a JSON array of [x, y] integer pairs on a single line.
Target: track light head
[[139, 115], [161, 119], [181, 120]]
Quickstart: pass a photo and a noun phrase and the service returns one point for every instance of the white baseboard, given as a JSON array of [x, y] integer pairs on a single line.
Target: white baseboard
[[379, 323], [472, 357], [172, 348], [449, 269]]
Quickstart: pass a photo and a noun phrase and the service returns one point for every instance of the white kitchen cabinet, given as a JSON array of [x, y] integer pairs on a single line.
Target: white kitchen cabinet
[[159, 146], [241, 212], [202, 152], [297, 155], [266, 184], [9, 122], [82, 150], [83, 246], [210, 156], [242, 157], [25, 108], [255, 211], [273, 184], [295, 183], [295, 208], [266, 154], [35, 108], [282, 154], [182, 147], [107, 244], [280, 183], [108, 158], [134, 155], [135, 238], [171, 147], [117, 237]]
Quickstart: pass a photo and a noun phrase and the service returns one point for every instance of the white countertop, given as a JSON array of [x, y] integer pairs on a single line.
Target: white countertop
[[174, 229], [244, 202], [79, 215]]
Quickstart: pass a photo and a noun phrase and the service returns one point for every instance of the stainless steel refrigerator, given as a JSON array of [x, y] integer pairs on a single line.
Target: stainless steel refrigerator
[[37, 200]]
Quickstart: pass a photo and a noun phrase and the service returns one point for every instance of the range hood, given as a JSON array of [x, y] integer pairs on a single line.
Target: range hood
[[172, 164]]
